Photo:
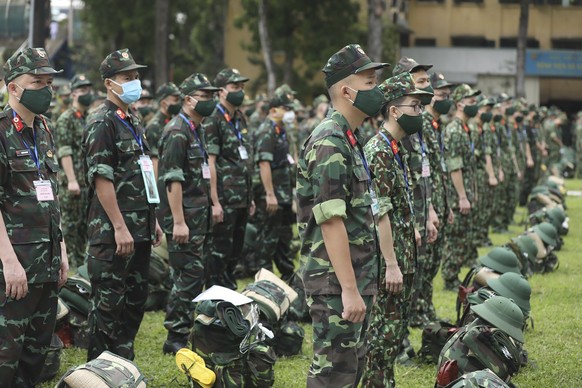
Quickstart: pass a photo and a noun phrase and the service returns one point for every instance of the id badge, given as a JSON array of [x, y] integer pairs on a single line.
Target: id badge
[[149, 179], [290, 159], [205, 171], [243, 152], [44, 190], [375, 204], [425, 168]]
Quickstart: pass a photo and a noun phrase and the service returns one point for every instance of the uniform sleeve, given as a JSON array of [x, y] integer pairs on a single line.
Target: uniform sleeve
[[154, 133], [64, 136], [100, 151], [454, 147], [328, 171], [3, 171], [213, 139], [174, 147], [264, 144], [382, 167]]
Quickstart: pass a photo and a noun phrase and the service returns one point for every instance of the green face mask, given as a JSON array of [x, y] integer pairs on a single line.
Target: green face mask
[[144, 110], [174, 109], [486, 117], [236, 98], [410, 124], [36, 100], [471, 110], [369, 101], [497, 118], [443, 106], [205, 108], [85, 99], [67, 100], [519, 119], [509, 111], [536, 117], [425, 100]]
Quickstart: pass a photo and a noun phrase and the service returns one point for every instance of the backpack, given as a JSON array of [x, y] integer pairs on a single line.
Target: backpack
[[478, 379], [76, 292], [106, 371], [476, 278], [434, 336], [289, 339], [272, 295]]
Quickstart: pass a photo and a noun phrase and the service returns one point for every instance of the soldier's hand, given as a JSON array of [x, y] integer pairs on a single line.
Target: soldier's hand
[[493, 181], [431, 233], [252, 209], [501, 176], [417, 237], [393, 279], [433, 217], [74, 188], [451, 217], [272, 203], [159, 236], [217, 214], [180, 233], [64, 270], [354, 306], [14, 277], [124, 241], [529, 162], [464, 205]]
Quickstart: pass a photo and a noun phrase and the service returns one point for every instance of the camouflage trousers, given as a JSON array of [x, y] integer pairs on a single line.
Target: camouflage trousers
[[188, 277], [530, 178], [120, 290], [74, 225], [274, 235], [511, 199], [388, 327], [460, 245], [225, 246], [484, 209], [25, 334], [339, 346]]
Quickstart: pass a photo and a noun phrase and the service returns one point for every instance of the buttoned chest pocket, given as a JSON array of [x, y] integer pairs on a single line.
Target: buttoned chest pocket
[[128, 153], [195, 156], [360, 194], [23, 173]]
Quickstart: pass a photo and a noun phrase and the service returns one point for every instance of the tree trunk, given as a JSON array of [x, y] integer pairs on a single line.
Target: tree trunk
[[161, 42], [40, 22], [521, 46], [266, 46], [288, 70], [375, 29]]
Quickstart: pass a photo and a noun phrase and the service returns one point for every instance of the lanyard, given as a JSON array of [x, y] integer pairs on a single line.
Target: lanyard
[[33, 151], [354, 143], [394, 146], [121, 116], [193, 129], [229, 120], [422, 146], [470, 139]]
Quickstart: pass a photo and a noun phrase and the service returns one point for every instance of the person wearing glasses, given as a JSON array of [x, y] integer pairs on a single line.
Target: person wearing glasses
[[460, 161]]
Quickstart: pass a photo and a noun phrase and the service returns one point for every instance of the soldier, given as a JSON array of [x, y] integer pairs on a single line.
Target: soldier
[[169, 105], [228, 150], [34, 258], [320, 108], [432, 128], [122, 199], [415, 153], [460, 161], [72, 183], [63, 102], [273, 192], [185, 209], [398, 242], [336, 207], [143, 107]]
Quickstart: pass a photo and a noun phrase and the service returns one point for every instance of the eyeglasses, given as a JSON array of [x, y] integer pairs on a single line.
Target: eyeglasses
[[418, 108]]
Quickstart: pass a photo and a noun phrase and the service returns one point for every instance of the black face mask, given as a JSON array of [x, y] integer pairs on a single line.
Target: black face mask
[[36, 100], [497, 118]]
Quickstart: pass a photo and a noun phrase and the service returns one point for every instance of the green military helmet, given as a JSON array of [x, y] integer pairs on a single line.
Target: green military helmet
[[514, 287], [479, 378], [547, 233], [558, 218], [526, 245], [501, 260], [504, 314], [540, 190]]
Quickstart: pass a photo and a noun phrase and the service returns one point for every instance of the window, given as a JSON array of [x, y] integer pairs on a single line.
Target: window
[[567, 43], [425, 42], [471, 41], [511, 42], [468, 1]]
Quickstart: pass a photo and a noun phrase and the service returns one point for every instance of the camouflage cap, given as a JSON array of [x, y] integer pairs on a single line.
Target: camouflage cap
[[399, 86], [64, 90], [408, 65], [322, 98], [464, 91], [503, 97], [349, 60], [28, 61], [166, 90], [146, 94], [228, 76], [285, 89], [483, 101], [437, 81], [197, 81], [116, 62], [281, 99], [80, 80]]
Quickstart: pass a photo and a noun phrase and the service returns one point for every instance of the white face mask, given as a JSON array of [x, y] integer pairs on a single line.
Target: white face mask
[[289, 117]]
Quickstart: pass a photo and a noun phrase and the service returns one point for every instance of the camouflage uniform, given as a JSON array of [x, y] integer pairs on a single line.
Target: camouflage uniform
[[182, 157], [271, 145], [69, 138], [33, 229], [479, 132], [500, 221], [459, 155], [390, 314], [155, 126], [224, 136], [113, 145]]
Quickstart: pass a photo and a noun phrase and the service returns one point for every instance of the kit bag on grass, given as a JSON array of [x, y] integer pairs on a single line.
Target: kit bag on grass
[[434, 336], [289, 339], [272, 295], [76, 292], [106, 371]]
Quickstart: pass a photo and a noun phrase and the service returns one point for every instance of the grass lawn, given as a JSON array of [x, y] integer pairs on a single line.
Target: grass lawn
[[553, 344]]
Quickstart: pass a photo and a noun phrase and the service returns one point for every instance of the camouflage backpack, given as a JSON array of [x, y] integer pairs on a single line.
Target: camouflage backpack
[[107, 370], [434, 336], [271, 299], [479, 379], [288, 338]]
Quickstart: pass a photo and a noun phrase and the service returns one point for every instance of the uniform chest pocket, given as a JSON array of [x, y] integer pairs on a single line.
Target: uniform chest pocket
[[52, 165], [128, 146], [195, 152], [360, 195]]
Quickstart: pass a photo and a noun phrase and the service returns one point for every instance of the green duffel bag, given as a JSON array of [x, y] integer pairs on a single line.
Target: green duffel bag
[[76, 292], [289, 339], [271, 299]]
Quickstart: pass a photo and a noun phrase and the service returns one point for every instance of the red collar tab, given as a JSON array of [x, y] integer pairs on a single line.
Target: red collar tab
[[515, 126], [394, 145], [17, 121], [480, 127], [351, 137], [466, 128], [435, 124], [492, 127], [78, 114], [121, 114], [227, 117]]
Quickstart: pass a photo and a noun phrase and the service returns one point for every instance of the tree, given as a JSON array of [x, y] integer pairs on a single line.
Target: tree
[[521, 47], [161, 41], [375, 47], [266, 46], [41, 22]]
